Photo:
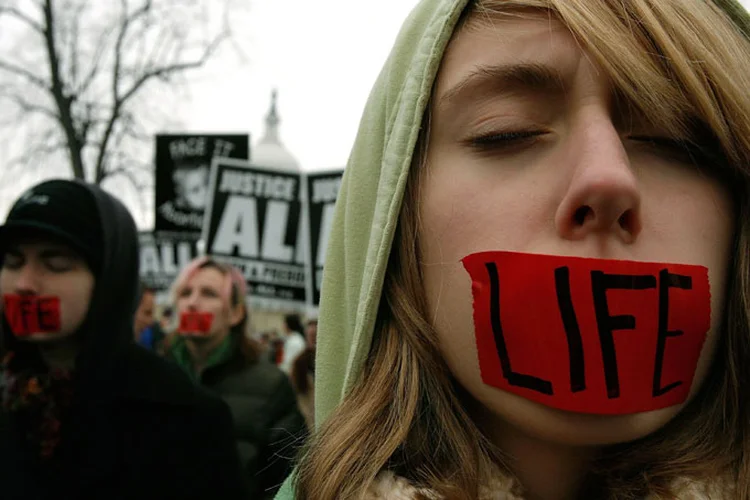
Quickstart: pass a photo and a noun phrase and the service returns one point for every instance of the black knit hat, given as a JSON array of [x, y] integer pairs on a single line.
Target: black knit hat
[[60, 208]]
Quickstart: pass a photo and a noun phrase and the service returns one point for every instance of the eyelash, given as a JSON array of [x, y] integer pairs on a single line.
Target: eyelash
[[53, 264], [58, 264], [505, 140], [501, 141]]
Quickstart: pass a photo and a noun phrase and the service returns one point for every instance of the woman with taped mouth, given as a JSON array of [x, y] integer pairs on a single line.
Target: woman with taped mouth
[[537, 282], [211, 345], [85, 412]]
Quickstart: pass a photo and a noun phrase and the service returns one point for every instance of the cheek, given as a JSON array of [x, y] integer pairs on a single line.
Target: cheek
[[6, 282], [468, 205], [74, 305], [180, 305]]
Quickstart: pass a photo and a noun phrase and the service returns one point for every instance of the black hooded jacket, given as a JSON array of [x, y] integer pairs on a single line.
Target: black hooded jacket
[[138, 427]]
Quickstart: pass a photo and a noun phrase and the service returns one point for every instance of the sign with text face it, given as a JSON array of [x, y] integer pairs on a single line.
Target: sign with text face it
[[163, 255], [183, 164], [322, 191], [254, 223]]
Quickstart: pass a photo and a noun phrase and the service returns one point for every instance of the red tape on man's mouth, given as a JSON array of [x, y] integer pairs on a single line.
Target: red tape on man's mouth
[[30, 314], [195, 323], [589, 335]]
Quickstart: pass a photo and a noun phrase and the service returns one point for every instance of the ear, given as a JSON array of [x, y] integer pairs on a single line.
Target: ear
[[236, 314]]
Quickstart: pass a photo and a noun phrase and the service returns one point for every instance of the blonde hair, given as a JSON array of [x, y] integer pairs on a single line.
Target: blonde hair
[[686, 66]]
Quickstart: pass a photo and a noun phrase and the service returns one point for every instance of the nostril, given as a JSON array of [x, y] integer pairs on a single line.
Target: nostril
[[581, 214], [626, 220]]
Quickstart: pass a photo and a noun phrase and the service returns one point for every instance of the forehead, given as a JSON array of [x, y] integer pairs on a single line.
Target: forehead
[[37, 241], [207, 276], [531, 38]]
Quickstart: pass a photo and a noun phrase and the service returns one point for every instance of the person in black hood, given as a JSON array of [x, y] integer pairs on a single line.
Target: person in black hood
[[85, 411]]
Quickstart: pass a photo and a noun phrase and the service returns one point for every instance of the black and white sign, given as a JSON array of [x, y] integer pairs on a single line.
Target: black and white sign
[[322, 190], [183, 165], [163, 256], [254, 223]]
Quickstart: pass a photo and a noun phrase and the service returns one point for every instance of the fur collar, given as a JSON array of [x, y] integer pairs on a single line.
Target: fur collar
[[388, 486]]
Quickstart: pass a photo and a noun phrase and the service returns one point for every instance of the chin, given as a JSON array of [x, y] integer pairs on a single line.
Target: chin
[[45, 337], [502, 412], [199, 339]]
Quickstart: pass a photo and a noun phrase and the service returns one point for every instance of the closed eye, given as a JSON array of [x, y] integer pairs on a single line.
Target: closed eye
[[12, 260], [505, 141], [209, 292], [59, 263]]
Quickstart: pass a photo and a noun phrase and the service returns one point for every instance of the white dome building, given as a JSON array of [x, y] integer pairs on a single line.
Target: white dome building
[[269, 151]]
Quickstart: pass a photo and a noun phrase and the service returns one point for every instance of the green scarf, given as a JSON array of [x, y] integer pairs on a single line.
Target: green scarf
[[180, 354]]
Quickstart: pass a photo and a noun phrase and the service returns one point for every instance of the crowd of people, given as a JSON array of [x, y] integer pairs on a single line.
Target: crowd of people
[[536, 287], [99, 396]]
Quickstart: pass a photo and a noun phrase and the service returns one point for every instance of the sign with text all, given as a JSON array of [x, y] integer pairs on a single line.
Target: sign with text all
[[163, 255], [254, 223]]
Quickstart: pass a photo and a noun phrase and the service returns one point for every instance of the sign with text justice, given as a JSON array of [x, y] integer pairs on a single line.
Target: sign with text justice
[[589, 335], [322, 191], [254, 223]]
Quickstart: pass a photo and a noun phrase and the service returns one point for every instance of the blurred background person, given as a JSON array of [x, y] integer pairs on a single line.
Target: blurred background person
[[294, 342], [144, 317], [86, 413], [221, 357], [303, 375]]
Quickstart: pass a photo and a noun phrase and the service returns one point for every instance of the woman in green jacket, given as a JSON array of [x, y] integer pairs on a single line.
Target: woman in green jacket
[[537, 285]]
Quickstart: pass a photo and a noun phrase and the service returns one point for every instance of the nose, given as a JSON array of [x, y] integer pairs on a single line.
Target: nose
[[602, 198], [27, 281], [192, 302]]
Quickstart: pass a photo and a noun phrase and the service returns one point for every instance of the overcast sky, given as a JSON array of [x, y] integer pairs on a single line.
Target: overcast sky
[[323, 57]]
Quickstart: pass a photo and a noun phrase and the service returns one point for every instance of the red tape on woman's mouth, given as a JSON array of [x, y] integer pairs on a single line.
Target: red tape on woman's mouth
[[195, 323], [589, 335], [30, 314]]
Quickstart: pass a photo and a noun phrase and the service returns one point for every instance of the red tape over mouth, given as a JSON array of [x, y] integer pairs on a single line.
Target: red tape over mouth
[[30, 314], [195, 323], [589, 335]]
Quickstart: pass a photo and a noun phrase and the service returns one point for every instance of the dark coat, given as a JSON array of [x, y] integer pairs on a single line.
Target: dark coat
[[160, 437], [138, 428], [268, 426]]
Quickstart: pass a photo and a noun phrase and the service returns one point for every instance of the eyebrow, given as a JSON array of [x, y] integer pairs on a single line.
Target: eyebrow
[[528, 78], [57, 252], [45, 253]]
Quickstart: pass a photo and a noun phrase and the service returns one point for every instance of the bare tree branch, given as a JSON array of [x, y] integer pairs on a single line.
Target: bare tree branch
[[117, 101], [12, 11], [95, 64], [63, 101], [175, 68], [42, 148], [155, 73], [104, 66], [29, 107], [24, 73]]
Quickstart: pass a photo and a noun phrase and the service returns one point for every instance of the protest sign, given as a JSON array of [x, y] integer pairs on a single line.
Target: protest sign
[[254, 223], [322, 190], [183, 163], [163, 255]]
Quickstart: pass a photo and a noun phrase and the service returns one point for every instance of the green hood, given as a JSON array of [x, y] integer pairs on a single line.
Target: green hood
[[370, 198], [371, 193]]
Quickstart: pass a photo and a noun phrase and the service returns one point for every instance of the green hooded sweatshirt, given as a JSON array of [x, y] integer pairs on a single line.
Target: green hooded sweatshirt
[[371, 194]]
